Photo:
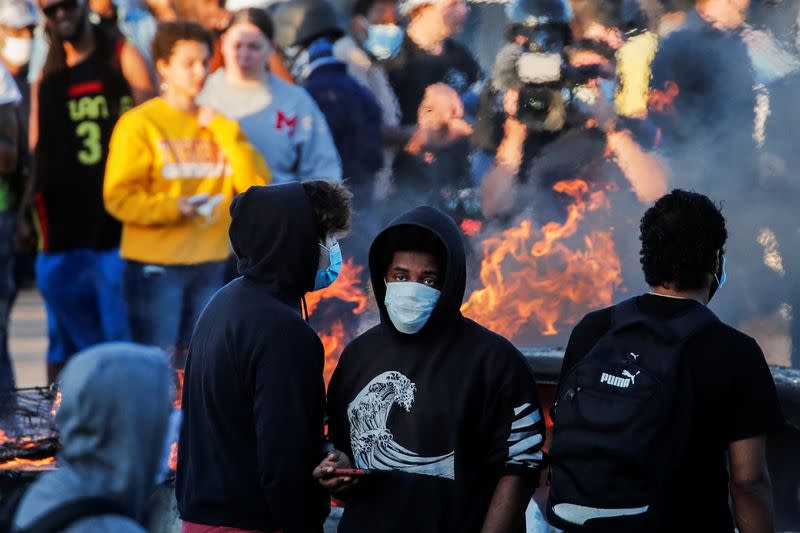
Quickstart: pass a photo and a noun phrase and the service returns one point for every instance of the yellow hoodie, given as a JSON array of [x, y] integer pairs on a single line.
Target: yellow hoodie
[[158, 154]]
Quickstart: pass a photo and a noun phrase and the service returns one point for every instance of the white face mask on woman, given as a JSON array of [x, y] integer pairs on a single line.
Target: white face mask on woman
[[17, 50], [410, 305]]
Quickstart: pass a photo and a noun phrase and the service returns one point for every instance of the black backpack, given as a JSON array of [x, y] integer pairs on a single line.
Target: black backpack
[[59, 518], [622, 420]]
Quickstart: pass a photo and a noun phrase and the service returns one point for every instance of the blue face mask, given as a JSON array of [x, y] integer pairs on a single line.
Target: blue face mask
[[608, 88], [326, 276], [719, 280], [383, 40], [410, 304]]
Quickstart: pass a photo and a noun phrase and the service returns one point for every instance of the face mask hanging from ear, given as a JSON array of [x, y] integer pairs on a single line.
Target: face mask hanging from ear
[[719, 279], [326, 276]]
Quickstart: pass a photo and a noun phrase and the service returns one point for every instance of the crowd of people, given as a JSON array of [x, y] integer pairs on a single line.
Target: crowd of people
[[183, 171]]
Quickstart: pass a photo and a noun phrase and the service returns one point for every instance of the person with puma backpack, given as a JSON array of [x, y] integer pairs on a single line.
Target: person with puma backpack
[[655, 391]]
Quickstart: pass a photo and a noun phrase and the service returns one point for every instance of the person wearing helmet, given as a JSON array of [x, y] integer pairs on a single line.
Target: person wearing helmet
[[549, 115]]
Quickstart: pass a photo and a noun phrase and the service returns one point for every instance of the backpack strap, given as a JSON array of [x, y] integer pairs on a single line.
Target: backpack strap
[[676, 330], [691, 322], [627, 314], [61, 517]]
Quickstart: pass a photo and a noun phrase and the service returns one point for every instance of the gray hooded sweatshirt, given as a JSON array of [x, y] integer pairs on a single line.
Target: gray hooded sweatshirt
[[113, 420]]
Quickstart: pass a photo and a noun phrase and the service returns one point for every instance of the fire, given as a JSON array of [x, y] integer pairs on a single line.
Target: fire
[[56, 404], [333, 341], [663, 101], [24, 443], [173, 456], [176, 402], [48, 463], [471, 227], [535, 277], [347, 288], [350, 289]]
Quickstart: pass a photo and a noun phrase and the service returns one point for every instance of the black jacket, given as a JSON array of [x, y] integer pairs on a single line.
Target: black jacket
[[253, 396], [432, 412]]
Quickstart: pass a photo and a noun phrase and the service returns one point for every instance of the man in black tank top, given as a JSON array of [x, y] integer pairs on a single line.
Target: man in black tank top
[[89, 79]]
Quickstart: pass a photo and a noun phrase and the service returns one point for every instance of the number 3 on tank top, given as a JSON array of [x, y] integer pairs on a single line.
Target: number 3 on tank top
[[89, 132]]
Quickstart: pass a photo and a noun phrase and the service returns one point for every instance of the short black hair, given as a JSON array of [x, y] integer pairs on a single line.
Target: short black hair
[[362, 7], [331, 204], [682, 237], [169, 33], [257, 17], [409, 238]]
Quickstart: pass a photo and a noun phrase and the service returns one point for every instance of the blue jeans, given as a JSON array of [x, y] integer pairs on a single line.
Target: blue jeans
[[165, 301], [82, 290], [8, 225]]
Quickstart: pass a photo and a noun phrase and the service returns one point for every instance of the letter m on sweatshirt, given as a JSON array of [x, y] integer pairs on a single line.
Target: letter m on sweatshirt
[[282, 121]]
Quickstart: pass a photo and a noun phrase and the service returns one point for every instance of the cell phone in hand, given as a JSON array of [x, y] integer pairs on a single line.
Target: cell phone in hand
[[207, 207], [198, 199], [350, 472]]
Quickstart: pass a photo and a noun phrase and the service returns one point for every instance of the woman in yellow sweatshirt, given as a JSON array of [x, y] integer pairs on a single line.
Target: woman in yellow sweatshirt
[[173, 169]]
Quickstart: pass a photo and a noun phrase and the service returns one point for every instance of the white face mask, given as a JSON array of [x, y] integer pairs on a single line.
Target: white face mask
[[410, 304], [17, 50]]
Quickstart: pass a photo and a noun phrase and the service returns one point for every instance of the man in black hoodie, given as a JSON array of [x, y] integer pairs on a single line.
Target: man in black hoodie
[[253, 396], [441, 412]]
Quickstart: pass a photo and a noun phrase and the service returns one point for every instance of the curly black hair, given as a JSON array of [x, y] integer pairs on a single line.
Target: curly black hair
[[331, 204], [682, 236]]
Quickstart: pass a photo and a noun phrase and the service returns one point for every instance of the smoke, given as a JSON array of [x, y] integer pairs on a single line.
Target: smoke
[[750, 169]]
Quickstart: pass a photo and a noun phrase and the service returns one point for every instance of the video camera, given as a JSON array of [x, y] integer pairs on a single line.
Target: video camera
[[535, 62]]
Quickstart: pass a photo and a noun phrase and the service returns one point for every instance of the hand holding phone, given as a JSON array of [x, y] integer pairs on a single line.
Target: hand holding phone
[[207, 208], [336, 475], [198, 199], [350, 472]]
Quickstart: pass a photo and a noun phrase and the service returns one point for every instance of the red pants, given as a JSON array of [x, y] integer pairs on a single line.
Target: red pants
[[189, 527]]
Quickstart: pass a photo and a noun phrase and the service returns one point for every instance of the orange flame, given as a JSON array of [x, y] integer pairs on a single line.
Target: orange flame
[[535, 276], [56, 404], [176, 402], [347, 288], [48, 463], [173, 456], [333, 341], [25, 464], [471, 227]]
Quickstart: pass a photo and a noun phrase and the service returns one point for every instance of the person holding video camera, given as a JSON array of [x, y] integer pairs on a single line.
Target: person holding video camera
[[549, 116], [173, 169]]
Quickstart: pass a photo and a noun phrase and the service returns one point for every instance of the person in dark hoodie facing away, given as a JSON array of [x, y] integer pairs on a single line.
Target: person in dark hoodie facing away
[[253, 394], [116, 430], [442, 412]]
